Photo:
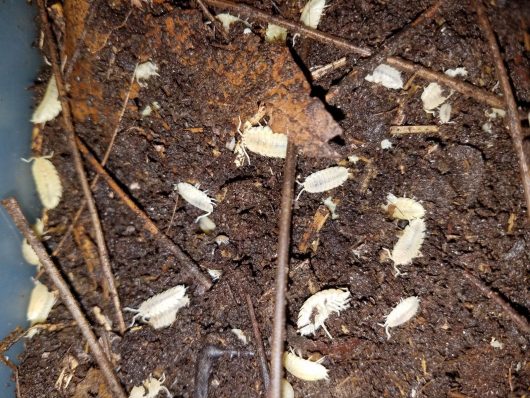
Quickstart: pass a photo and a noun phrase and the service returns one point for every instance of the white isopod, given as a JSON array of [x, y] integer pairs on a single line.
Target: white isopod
[[324, 180], [312, 12], [40, 303], [403, 312], [287, 389], [408, 245], [161, 310], [403, 208], [263, 141], [195, 197], [50, 106], [150, 388], [317, 308], [27, 251], [304, 369], [47, 181]]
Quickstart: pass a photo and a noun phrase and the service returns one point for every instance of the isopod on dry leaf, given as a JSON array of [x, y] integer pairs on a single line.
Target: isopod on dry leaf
[[40, 303], [145, 71], [160, 311], [304, 369], [403, 208], [263, 141], [403, 312], [50, 106], [47, 181], [317, 308], [195, 197], [324, 180], [408, 245], [150, 388]]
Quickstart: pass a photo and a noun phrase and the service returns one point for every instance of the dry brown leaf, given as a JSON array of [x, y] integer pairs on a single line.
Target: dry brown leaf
[[89, 252], [93, 385]]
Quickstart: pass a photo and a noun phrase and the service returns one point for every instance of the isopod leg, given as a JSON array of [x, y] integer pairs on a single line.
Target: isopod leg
[[387, 332], [327, 331], [204, 215], [299, 193]]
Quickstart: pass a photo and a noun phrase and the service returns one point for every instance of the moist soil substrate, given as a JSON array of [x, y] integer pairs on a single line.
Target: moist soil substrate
[[466, 176]]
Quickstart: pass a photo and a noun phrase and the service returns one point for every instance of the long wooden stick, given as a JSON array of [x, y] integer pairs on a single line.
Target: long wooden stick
[[253, 13], [191, 268], [68, 299], [78, 164], [282, 271], [516, 130]]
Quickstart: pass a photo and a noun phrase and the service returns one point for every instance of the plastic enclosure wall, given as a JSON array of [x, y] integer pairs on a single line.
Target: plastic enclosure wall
[[19, 65]]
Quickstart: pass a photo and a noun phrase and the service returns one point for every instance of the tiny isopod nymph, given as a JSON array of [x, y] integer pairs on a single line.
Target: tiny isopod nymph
[[403, 312], [195, 197], [304, 369], [160, 311], [324, 180], [408, 245], [47, 181]]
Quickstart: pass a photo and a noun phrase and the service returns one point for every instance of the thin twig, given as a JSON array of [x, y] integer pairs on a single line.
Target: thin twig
[[259, 344], [462, 87], [293, 27], [324, 70], [70, 131], [207, 358], [282, 270], [216, 24], [520, 320], [514, 124], [68, 299], [192, 269], [106, 156]]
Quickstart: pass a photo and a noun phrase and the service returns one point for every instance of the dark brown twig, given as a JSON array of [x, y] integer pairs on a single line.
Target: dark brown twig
[[207, 358], [462, 87], [106, 156], [520, 320], [282, 270], [293, 27], [514, 124], [259, 344], [192, 269], [80, 171], [68, 299]]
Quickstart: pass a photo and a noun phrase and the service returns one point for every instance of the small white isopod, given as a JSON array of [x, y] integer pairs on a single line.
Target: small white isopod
[[195, 197], [160, 311], [150, 388], [403, 208], [408, 245], [317, 308], [263, 141], [47, 181], [312, 12], [50, 106], [40, 303], [403, 312], [27, 251], [304, 369], [324, 180]]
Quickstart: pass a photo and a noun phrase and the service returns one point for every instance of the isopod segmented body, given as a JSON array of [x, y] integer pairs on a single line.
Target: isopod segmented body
[[324, 180], [47, 181], [161, 310], [263, 141], [304, 369], [409, 244], [195, 197], [401, 313]]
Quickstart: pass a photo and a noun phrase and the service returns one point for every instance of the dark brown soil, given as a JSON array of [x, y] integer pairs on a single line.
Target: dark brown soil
[[467, 180]]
